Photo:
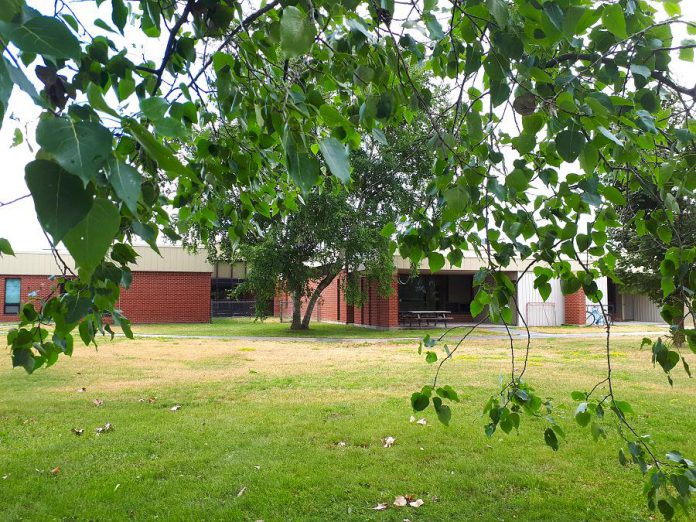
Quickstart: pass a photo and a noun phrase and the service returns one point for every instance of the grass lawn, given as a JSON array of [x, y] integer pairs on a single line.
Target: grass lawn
[[272, 327], [258, 434]]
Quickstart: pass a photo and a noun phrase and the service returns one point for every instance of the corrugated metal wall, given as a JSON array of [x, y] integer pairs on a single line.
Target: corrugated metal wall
[[640, 308], [533, 308]]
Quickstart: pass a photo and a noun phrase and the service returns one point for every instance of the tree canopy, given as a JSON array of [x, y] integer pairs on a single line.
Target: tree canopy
[[554, 104], [337, 231]]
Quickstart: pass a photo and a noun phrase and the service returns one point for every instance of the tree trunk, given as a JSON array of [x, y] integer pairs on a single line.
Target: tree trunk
[[315, 297], [678, 337], [297, 323]]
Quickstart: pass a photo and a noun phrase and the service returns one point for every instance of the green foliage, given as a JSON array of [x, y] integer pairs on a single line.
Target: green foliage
[[242, 114]]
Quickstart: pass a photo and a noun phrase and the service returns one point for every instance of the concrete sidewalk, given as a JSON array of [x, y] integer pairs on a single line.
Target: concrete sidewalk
[[518, 334]]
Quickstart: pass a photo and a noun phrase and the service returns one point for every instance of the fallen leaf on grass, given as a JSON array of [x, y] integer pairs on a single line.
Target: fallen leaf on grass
[[380, 507], [78, 431], [412, 419], [400, 501], [175, 408], [97, 402], [257, 468], [55, 470], [241, 491], [105, 429], [422, 422], [388, 442], [408, 500], [341, 444]]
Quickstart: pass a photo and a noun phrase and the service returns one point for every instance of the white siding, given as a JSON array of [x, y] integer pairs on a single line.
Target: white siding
[[640, 308], [602, 284], [535, 311], [172, 259]]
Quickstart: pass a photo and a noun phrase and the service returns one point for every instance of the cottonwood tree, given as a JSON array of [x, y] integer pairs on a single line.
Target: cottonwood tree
[[640, 257], [583, 83], [338, 230]]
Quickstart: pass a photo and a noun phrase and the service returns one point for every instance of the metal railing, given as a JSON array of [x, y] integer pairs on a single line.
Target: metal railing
[[228, 308]]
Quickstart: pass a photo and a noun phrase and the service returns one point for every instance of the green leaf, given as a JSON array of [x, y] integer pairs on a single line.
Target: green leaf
[[80, 147], [434, 28], [430, 357], [582, 416], [157, 151], [18, 78], [154, 108], [623, 406], [336, 157], [10, 9], [385, 105], [550, 439], [614, 195], [5, 248], [89, 241], [97, 101], [569, 144], [610, 135], [687, 54], [126, 182], [614, 20], [436, 261], [444, 413], [447, 392], [297, 32], [578, 396], [666, 509], [499, 10], [517, 180], [60, 199], [555, 14], [303, 169], [17, 138], [24, 358], [48, 36], [419, 401], [6, 85], [119, 14], [640, 70]]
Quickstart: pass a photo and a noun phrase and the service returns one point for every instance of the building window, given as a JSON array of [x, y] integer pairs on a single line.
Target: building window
[[12, 293]]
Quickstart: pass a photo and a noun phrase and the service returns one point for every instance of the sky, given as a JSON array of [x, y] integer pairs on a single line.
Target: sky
[[18, 221]]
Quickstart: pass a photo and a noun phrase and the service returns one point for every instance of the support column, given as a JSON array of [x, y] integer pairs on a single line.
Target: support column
[[575, 308]]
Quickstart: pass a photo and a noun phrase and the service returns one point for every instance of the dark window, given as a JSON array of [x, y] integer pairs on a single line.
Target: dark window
[[12, 293]]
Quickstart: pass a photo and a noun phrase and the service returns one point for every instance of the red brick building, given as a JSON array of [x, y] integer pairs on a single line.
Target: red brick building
[[450, 290], [173, 288]]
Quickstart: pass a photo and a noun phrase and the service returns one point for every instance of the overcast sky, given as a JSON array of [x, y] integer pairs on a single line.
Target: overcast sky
[[18, 221]]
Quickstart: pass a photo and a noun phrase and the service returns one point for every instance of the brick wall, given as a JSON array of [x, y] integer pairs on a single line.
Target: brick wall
[[33, 283], [379, 311], [331, 305], [575, 309], [153, 297], [167, 297]]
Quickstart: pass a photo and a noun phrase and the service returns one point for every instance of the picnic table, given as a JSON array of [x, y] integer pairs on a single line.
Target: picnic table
[[426, 316]]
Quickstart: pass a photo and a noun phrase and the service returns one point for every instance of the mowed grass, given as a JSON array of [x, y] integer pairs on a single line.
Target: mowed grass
[[272, 327], [259, 430]]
